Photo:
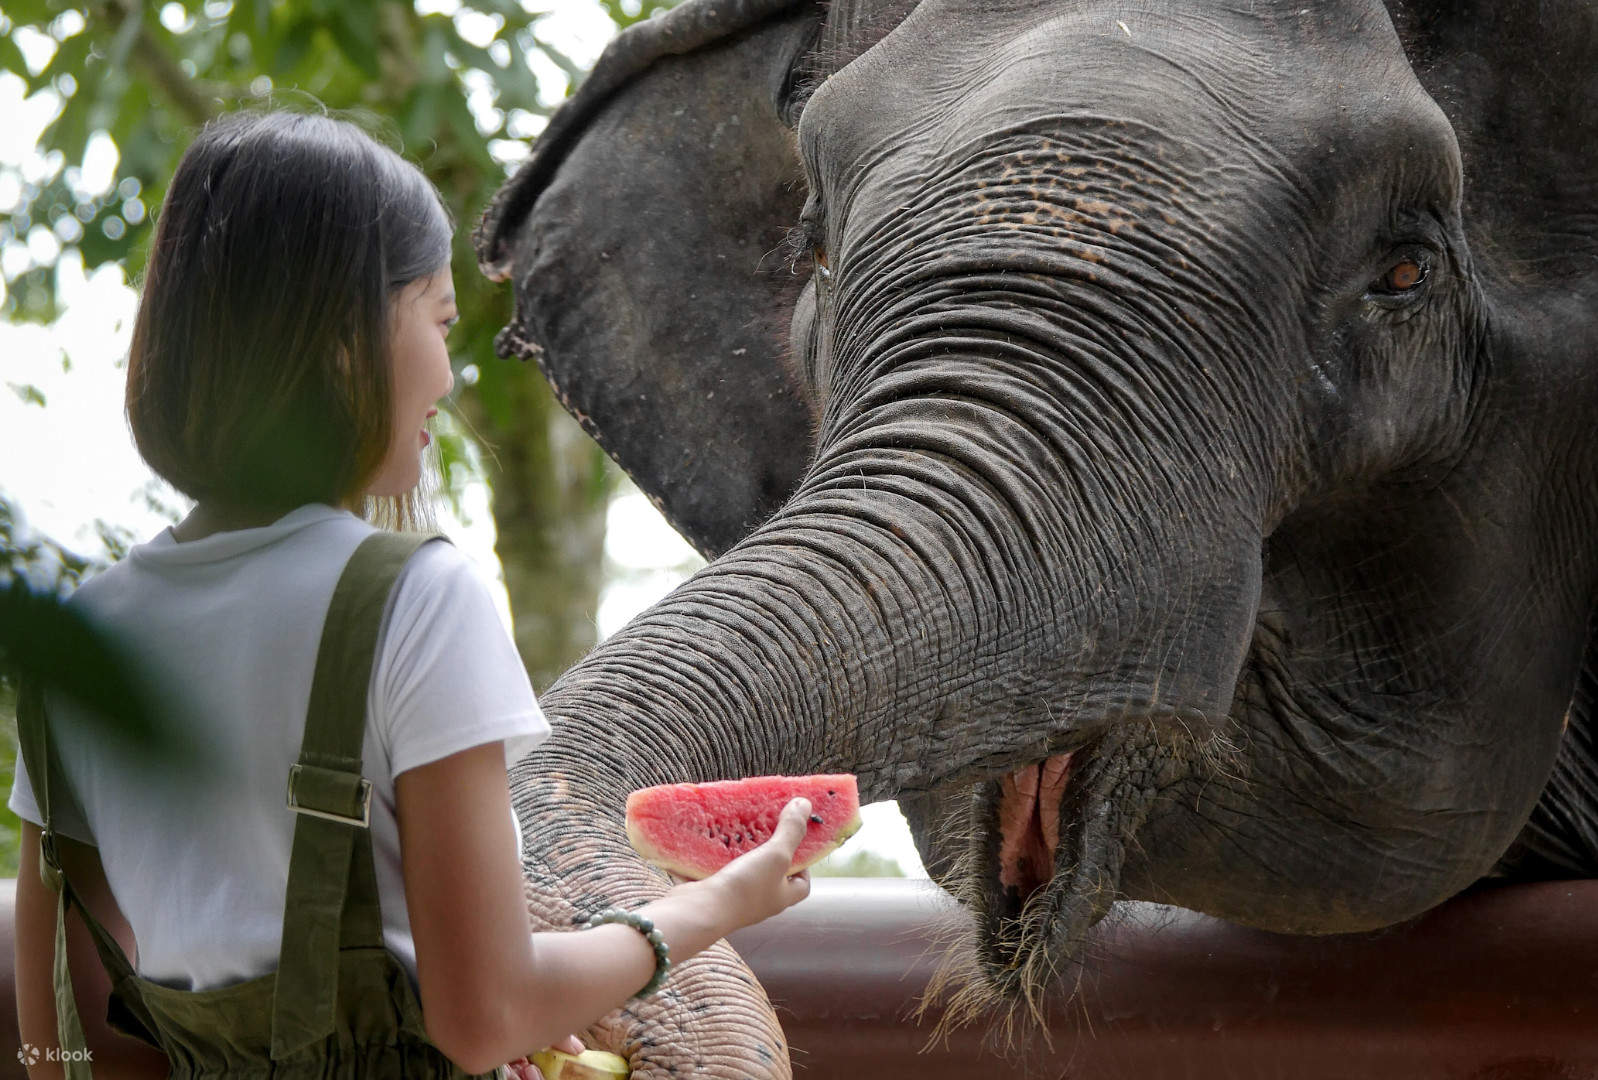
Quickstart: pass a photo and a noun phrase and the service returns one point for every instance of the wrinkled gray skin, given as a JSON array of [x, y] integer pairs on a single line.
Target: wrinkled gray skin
[[1205, 388]]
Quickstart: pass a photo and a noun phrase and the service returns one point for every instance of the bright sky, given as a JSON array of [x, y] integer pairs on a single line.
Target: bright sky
[[71, 462]]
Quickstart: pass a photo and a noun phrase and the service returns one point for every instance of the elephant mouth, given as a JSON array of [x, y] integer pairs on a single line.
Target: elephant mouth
[[1055, 835], [1029, 826]]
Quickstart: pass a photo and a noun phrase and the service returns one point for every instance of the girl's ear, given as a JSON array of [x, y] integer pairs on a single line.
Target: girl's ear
[[643, 239]]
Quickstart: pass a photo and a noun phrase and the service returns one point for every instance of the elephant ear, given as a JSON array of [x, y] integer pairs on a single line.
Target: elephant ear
[[1519, 81], [644, 240]]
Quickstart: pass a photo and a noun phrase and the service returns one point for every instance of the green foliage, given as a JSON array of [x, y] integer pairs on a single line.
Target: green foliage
[[147, 75], [45, 565], [626, 12], [28, 393], [42, 638], [861, 864], [10, 825], [143, 77]]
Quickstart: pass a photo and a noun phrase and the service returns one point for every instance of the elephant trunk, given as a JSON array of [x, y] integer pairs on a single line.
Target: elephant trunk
[[802, 650], [945, 599], [568, 796]]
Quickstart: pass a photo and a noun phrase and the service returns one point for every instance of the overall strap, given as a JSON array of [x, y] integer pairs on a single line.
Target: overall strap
[[332, 900], [38, 756]]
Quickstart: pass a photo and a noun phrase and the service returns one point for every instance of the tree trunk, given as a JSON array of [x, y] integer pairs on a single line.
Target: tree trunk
[[551, 485], [549, 482]]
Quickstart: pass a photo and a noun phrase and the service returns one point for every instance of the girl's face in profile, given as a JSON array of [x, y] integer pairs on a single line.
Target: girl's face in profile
[[419, 322]]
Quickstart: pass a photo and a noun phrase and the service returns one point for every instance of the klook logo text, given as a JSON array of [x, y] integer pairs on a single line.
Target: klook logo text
[[29, 1054]]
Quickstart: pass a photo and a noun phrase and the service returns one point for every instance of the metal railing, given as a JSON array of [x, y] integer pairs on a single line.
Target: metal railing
[[1501, 984]]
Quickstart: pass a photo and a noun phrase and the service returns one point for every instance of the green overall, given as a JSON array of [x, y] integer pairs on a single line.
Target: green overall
[[340, 1004]]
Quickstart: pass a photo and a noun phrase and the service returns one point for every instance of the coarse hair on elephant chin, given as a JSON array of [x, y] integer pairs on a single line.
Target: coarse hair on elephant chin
[[962, 991], [1114, 783]]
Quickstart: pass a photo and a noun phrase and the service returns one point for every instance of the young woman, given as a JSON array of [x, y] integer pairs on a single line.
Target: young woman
[[289, 351]]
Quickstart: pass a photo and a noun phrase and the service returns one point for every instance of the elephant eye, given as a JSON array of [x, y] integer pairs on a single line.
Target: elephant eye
[[1405, 276], [1404, 279], [819, 254]]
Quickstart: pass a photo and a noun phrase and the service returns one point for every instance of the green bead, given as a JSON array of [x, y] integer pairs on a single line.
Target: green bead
[[644, 925]]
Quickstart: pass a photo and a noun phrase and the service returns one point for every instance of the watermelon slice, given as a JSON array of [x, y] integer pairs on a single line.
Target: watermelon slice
[[693, 830]]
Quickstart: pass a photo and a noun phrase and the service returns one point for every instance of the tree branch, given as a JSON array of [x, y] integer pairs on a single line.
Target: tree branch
[[158, 64], [172, 80]]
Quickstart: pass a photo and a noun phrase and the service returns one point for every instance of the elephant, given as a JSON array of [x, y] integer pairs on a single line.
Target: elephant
[[1151, 439]]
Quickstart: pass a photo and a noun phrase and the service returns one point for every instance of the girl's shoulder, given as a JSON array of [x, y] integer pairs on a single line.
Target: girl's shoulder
[[304, 547], [439, 578]]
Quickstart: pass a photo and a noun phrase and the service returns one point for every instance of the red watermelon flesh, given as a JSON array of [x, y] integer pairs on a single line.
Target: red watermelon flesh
[[693, 830]]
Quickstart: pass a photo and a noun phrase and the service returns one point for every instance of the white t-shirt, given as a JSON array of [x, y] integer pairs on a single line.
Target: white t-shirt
[[228, 626]]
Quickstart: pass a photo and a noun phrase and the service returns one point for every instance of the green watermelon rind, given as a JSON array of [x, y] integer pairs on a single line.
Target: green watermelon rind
[[657, 856]]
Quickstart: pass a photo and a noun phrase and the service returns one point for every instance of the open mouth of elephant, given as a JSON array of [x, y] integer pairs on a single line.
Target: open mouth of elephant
[[1029, 826], [1054, 836]]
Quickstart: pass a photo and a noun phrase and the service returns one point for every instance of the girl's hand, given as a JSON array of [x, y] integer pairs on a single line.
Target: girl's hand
[[522, 1069], [756, 885]]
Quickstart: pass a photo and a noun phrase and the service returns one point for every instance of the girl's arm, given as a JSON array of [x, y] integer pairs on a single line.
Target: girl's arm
[[114, 1054], [492, 992]]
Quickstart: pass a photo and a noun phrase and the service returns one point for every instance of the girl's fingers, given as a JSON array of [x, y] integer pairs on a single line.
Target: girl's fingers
[[571, 1044], [790, 831]]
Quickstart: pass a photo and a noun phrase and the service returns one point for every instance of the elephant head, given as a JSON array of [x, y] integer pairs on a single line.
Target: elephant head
[[1154, 441]]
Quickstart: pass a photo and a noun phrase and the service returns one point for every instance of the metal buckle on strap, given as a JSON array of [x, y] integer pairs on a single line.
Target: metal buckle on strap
[[364, 821], [49, 861]]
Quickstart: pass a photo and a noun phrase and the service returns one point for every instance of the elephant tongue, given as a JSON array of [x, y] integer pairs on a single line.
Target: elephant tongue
[[1029, 823]]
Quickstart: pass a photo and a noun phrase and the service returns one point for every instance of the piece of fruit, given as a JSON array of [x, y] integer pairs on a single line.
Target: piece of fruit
[[693, 830], [588, 1065]]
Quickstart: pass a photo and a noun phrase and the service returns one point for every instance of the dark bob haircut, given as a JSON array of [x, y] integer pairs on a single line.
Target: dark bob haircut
[[259, 375]]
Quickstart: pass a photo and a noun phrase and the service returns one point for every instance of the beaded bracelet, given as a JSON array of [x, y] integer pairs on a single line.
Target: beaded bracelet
[[646, 927]]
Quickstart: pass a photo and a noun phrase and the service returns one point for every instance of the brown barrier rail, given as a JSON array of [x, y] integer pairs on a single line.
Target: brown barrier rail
[[1498, 985]]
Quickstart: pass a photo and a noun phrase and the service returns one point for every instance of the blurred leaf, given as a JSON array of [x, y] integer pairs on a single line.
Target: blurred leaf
[[11, 57], [116, 539], [253, 19], [434, 69], [471, 151], [574, 72], [294, 45], [646, 9], [30, 394], [10, 827], [33, 12], [121, 44], [513, 13], [71, 58], [69, 131], [860, 863], [30, 297], [517, 83], [42, 638], [422, 115], [356, 36], [23, 554], [493, 392]]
